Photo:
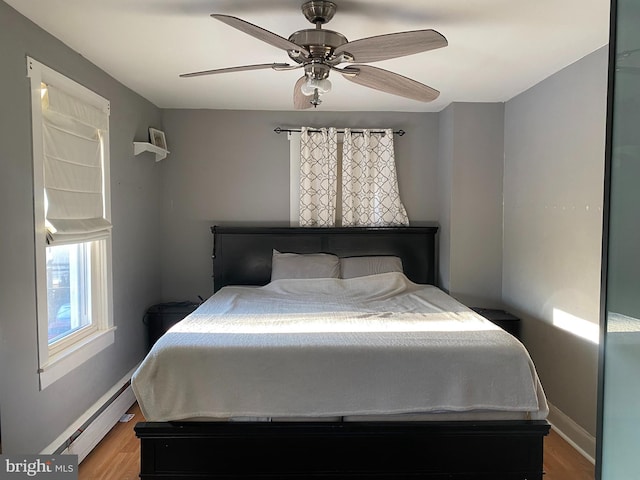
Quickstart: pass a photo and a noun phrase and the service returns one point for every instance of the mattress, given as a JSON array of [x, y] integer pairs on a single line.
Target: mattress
[[370, 347]]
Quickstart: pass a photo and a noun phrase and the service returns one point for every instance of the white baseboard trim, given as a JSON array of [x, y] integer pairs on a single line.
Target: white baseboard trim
[[574, 434], [87, 431]]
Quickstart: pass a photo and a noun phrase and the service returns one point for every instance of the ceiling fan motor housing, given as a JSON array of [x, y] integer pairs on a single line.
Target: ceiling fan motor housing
[[320, 43]]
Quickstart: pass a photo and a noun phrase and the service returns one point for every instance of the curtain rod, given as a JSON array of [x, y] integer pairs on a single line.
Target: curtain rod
[[280, 130]]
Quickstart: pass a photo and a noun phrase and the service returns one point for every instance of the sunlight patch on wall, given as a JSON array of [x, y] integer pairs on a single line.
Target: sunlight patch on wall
[[576, 325]]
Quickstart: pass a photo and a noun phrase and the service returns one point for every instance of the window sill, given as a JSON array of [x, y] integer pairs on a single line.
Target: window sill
[[62, 363]]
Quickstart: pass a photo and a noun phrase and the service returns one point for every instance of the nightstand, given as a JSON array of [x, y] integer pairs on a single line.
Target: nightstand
[[161, 317], [503, 319]]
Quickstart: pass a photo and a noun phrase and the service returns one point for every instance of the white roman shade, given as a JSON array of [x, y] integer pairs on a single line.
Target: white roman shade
[[72, 133]]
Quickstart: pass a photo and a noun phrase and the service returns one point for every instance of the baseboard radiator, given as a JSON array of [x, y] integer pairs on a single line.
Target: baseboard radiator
[[82, 437]]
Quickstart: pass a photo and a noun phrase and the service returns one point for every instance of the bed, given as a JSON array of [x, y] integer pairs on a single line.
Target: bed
[[261, 382]]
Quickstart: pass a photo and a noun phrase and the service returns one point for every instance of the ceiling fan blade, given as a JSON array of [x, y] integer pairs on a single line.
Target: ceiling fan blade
[[260, 33], [274, 66], [300, 100], [389, 82], [392, 45]]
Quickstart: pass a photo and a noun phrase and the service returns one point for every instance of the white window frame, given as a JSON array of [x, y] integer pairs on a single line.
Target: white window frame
[[58, 359]]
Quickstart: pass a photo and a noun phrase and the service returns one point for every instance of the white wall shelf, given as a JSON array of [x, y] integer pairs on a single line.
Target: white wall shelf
[[139, 147]]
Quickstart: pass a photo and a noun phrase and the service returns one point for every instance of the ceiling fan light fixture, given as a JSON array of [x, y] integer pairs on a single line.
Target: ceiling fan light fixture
[[312, 84]]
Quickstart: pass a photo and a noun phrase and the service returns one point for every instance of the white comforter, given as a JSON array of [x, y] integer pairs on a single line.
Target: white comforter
[[329, 347]]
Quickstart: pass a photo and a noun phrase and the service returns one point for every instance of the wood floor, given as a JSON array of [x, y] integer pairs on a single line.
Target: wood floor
[[117, 457]]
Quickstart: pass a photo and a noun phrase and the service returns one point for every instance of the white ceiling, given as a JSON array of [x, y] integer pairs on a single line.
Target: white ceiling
[[497, 48]]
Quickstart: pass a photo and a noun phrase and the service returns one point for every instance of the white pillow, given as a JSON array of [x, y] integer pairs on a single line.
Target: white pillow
[[309, 265], [351, 267]]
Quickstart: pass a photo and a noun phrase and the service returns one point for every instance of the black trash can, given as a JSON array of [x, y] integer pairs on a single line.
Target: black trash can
[[159, 318]]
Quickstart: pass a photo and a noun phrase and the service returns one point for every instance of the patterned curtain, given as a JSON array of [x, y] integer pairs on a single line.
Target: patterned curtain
[[318, 173], [370, 195]]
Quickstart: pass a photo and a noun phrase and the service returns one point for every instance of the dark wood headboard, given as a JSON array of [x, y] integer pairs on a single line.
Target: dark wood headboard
[[242, 255]]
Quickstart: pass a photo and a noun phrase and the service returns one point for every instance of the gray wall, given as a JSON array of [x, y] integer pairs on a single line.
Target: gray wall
[[444, 174], [32, 419], [553, 194], [230, 167], [470, 183]]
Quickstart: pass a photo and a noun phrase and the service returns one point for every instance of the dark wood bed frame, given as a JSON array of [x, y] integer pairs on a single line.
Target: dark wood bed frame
[[336, 450]]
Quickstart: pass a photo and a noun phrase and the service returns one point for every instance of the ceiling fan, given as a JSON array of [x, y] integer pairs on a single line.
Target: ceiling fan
[[320, 51]]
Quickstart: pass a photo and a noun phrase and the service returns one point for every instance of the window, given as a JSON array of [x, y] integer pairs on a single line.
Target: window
[[70, 127], [68, 286]]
